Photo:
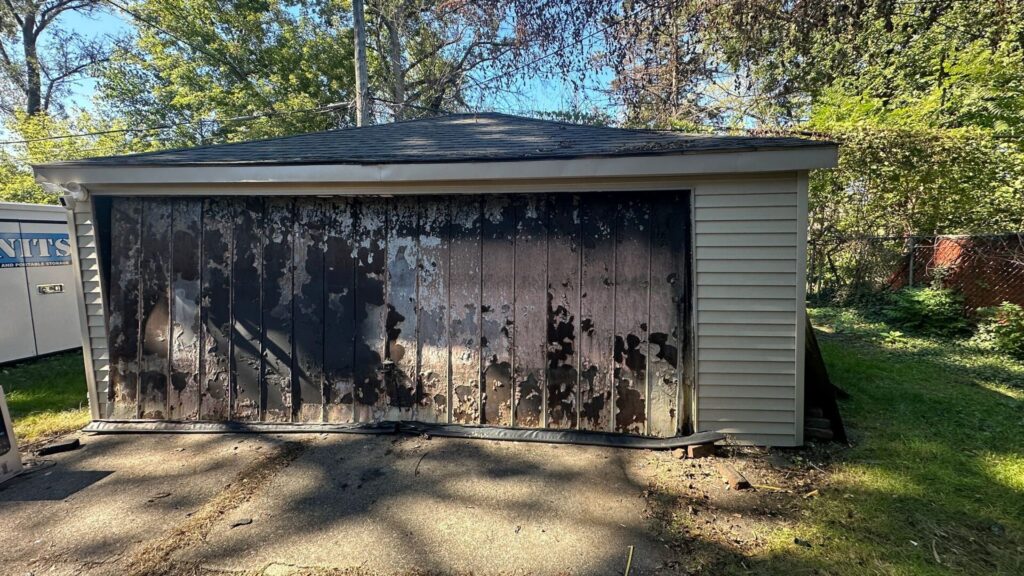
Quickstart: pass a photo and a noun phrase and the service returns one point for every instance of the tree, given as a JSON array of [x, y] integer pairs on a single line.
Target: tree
[[362, 73], [214, 72], [423, 54], [43, 138], [37, 80]]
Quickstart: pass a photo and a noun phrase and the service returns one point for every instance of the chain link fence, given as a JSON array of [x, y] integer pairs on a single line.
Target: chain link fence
[[986, 269]]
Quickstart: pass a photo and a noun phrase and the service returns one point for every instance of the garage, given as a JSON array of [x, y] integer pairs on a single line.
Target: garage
[[473, 271]]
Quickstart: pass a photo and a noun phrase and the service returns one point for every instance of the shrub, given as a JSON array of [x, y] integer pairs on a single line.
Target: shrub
[[1002, 328], [933, 311]]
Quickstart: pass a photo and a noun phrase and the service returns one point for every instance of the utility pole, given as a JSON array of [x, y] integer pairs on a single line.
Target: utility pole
[[362, 79]]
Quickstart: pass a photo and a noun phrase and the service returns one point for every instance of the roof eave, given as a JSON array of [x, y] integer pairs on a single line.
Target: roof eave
[[708, 163]]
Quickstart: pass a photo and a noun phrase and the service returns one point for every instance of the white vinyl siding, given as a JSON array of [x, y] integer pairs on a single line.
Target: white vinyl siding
[[94, 333], [746, 245]]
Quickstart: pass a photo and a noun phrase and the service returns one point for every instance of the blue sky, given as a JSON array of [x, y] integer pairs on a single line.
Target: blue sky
[[105, 23]]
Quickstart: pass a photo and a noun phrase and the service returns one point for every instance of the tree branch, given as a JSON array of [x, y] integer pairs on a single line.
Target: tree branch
[[14, 12], [51, 12]]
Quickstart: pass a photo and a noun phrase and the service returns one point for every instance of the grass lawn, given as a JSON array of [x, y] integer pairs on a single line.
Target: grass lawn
[[46, 396], [934, 482]]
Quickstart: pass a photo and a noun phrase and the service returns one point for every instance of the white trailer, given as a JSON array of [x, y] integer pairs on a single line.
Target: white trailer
[[37, 282]]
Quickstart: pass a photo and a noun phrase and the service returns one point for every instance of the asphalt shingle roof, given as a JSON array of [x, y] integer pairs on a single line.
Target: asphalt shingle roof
[[453, 138]]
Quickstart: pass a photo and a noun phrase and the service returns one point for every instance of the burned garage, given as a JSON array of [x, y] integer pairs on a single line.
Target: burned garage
[[484, 272]]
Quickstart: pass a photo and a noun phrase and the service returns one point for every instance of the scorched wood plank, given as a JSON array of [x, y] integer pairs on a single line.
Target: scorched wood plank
[[530, 338], [496, 310], [125, 251], [155, 308], [464, 290], [432, 397], [215, 353], [186, 238]]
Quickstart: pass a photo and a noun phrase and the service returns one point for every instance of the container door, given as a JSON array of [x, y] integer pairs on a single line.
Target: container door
[[16, 340], [51, 288]]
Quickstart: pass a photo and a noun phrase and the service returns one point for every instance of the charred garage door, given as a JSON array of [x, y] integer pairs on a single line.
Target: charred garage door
[[563, 311]]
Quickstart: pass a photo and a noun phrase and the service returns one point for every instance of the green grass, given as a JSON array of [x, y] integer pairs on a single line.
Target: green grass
[[934, 482], [46, 396]]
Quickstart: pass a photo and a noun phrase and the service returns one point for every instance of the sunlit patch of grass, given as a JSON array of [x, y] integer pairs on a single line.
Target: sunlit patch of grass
[[934, 483], [41, 425], [47, 397]]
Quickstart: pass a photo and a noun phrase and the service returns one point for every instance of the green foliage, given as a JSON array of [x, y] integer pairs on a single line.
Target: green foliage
[[897, 181], [1002, 328], [42, 134], [928, 104], [932, 311], [267, 61]]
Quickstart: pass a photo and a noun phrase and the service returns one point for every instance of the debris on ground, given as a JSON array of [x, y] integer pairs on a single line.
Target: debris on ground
[[732, 477], [715, 530], [65, 445], [700, 450]]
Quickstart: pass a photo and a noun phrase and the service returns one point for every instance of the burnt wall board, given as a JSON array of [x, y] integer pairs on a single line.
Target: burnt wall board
[[666, 330], [632, 310], [564, 311], [215, 308], [339, 311], [186, 252], [154, 309], [247, 310], [432, 398], [308, 288], [464, 296], [123, 302], [401, 368], [530, 335], [370, 237], [496, 318], [597, 312]]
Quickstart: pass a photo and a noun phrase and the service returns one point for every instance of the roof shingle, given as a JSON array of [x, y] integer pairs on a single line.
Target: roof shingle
[[452, 138]]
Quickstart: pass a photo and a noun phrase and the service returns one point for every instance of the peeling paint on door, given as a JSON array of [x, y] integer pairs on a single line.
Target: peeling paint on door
[[215, 309], [186, 233], [563, 311]]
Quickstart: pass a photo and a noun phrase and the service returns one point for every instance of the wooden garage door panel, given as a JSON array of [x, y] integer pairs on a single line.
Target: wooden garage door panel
[[562, 311]]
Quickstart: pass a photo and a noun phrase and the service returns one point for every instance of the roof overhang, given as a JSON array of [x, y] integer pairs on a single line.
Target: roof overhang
[[96, 178]]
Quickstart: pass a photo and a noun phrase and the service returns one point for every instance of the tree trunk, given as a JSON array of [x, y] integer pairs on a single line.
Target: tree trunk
[[362, 78], [397, 70], [33, 71]]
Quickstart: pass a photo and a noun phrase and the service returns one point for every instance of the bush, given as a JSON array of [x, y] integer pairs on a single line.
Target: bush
[[1002, 328], [932, 311]]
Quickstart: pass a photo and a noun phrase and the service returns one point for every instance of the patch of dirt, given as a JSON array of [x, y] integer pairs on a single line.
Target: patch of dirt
[[155, 557], [715, 529]]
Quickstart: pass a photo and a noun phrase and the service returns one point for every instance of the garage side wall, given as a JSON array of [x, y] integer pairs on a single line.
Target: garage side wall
[[749, 238], [81, 221]]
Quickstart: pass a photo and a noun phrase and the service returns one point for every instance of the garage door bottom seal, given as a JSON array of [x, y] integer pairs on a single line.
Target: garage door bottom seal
[[412, 428]]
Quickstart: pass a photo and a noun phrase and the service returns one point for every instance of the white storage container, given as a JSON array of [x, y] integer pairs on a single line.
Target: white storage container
[[38, 307]]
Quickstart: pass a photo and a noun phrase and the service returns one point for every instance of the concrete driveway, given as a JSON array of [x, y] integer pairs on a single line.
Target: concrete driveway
[[301, 504]]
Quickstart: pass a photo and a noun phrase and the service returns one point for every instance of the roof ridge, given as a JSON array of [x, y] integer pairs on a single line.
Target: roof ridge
[[287, 136]]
